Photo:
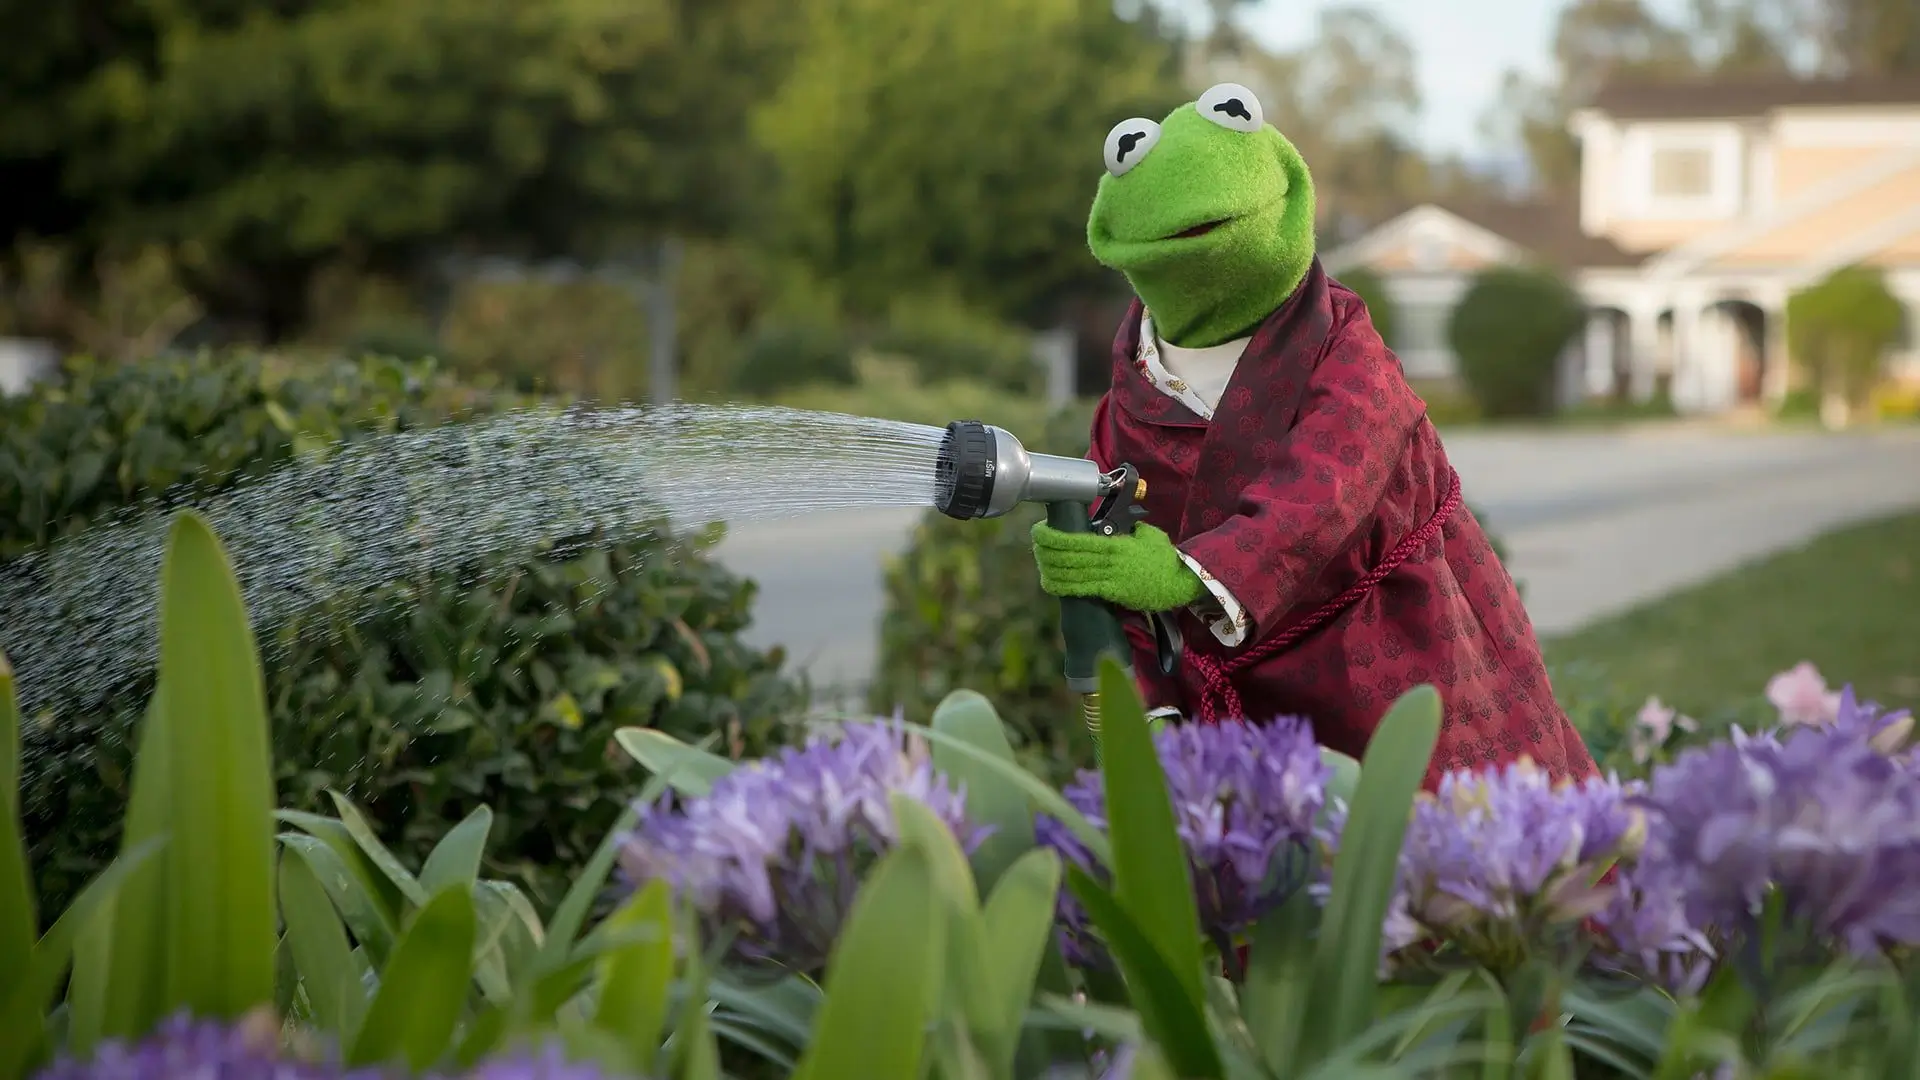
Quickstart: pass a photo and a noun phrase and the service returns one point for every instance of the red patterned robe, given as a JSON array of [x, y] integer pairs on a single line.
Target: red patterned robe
[[1318, 463]]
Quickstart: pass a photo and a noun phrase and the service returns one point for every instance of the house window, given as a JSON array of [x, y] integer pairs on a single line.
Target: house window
[[1420, 328], [1682, 172]]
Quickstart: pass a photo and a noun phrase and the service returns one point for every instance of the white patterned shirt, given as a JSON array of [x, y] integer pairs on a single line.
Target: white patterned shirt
[[1197, 378]]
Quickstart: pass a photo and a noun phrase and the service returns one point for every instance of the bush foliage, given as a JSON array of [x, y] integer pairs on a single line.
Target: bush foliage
[[1842, 328], [499, 689], [1508, 332], [1373, 291]]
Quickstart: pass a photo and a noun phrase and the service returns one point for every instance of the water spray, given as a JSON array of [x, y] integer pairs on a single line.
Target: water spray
[[982, 471]]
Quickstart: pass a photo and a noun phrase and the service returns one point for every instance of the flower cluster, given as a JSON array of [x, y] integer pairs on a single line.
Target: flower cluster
[[1245, 799], [1818, 816], [182, 1047], [253, 1049], [777, 848], [1495, 861]]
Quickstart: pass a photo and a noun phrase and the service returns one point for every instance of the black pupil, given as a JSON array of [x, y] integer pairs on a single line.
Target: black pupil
[[1127, 142], [1234, 107]]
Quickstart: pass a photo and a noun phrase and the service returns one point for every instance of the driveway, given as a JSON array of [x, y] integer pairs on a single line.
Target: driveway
[[1596, 522]]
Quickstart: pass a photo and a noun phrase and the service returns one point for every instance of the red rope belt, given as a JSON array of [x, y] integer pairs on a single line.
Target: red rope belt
[[1218, 698]]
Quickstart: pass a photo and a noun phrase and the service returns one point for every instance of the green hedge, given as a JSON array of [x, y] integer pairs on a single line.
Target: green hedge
[[1508, 332], [436, 698]]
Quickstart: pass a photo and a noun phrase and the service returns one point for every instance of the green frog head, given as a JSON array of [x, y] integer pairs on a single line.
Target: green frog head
[[1209, 214]]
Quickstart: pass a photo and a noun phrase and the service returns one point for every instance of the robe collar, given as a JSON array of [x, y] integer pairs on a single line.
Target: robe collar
[[1272, 371]]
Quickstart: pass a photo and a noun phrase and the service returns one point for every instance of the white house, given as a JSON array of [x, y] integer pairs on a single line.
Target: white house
[[1702, 207]]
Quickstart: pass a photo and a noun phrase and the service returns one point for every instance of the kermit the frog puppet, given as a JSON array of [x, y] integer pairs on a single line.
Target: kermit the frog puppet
[[1303, 522]]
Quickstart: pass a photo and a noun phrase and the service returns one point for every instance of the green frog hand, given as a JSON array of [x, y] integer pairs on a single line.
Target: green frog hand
[[1140, 572]]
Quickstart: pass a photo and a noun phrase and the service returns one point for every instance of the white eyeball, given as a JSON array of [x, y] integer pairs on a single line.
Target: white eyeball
[[1128, 142], [1232, 106]]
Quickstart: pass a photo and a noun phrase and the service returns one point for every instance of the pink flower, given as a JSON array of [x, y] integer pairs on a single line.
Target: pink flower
[[1652, 728], [1801, 695]]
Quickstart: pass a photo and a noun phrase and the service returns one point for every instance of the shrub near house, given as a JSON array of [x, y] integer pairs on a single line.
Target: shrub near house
[[1840, 330], [423, 702], [1508, 332]]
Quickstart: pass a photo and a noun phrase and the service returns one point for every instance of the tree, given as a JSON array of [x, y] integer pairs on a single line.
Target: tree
[[258, 142], [1593, 41], [1840, 330], [925, 148], [1508, 332], [1347, 100]]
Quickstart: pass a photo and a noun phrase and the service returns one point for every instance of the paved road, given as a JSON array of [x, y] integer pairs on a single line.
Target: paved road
[[1596, 522]]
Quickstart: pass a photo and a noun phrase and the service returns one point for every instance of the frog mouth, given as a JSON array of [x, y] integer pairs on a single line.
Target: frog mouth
[[1201, 229]]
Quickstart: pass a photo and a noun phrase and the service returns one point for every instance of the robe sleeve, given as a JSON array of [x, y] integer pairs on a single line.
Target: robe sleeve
[[1316, 492]]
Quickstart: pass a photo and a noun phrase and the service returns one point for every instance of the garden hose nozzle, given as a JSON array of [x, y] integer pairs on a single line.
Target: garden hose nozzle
[[983, 472]]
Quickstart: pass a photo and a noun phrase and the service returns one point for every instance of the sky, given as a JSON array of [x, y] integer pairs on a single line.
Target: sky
[[1463, 48]]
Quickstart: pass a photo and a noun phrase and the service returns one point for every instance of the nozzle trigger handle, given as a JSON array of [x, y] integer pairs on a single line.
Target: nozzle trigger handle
[[1120, 510]]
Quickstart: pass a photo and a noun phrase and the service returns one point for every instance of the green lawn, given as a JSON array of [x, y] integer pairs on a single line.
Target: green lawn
[[1849, 601]]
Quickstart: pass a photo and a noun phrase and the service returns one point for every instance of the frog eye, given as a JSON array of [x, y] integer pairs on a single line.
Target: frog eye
[[1233, 107], [1128, 142]]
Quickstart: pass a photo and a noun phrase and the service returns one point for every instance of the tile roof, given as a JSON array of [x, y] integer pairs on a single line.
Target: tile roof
[[1721, 98]]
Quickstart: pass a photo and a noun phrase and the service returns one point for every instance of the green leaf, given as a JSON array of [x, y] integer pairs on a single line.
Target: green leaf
[[785, 1008], [321, 952], [1343, 781], [1106, 1021], [991, 800], [636, 977], [220, 913], [24, 999], [1047, 800], [423, 988], [355, 887], [19, 919], [368, 842], [1173, 1020], [690, 770], [1550, 1058], [119, 963], [1279, 982], [564, 928], [968, 986], [1497, 1032], [883, 976], [1018, 920], [1149, 1063], [1150, 876], [455, 860], [696, 1056], [1346, 957]]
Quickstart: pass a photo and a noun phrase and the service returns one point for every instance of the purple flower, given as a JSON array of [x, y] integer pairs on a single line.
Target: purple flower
[[1817, 815], [777, 849], [1886, 731], [1244, 796], [1644, 931], [1493, 859], [204, 1050]]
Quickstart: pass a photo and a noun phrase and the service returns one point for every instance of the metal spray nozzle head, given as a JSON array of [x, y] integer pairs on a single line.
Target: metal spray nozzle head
[[983, 471]]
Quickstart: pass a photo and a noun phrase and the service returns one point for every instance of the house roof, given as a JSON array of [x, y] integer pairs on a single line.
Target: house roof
[[1548, 229], [1718, 98]]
